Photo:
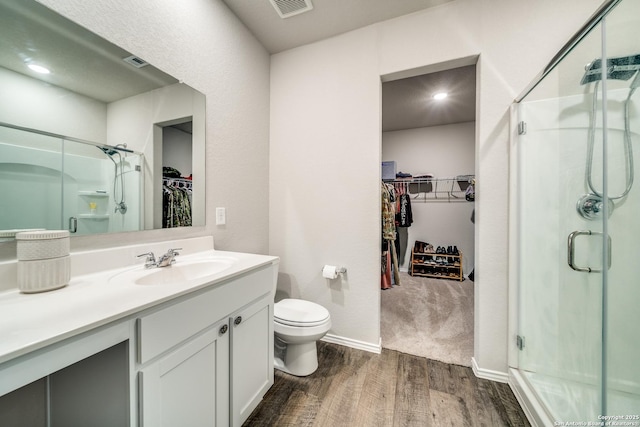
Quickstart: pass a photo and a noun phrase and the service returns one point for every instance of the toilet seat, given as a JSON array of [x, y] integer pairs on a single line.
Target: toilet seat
[[300, 313]]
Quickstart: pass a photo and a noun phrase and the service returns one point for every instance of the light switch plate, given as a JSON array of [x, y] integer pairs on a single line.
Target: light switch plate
[[221, 216]]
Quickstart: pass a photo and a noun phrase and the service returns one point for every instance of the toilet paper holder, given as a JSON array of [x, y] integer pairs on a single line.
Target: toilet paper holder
[[332, 271]]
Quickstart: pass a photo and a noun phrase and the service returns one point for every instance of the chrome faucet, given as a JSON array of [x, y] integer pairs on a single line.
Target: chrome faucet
[[150, 261], [164, 261], [168, 258]]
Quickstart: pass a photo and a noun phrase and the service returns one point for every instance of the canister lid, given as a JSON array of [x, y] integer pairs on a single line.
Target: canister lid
[[4, 234], [42, 235]]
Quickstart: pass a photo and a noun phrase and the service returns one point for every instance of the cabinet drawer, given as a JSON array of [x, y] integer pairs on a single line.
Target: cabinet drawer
[[163, 329]]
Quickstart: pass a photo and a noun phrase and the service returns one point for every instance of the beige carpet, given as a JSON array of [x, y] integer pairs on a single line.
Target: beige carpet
[[432, 318]]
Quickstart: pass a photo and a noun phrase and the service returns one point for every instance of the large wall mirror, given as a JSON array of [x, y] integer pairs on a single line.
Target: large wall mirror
[[92, 138]]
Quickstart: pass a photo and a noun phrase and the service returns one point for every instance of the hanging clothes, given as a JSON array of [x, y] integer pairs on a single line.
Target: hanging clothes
[[388, 213], [389, 256], [404, 219], [405, 216], [176, 204], [470, 193]]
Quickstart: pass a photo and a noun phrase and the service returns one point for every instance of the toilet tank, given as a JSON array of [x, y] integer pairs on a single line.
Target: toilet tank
[[275, 279]]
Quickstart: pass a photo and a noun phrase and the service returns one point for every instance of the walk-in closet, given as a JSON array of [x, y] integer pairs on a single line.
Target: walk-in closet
[[177, 175], [427, 215]]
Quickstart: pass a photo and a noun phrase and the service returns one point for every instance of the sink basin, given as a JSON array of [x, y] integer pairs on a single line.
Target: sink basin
[[180, 272]]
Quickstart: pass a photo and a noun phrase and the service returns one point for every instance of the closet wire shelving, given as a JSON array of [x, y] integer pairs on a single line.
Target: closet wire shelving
[[436, 189], [177, 182]]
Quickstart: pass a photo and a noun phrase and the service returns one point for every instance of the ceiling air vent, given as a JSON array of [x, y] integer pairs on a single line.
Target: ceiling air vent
[[135, 61], [289, 8]]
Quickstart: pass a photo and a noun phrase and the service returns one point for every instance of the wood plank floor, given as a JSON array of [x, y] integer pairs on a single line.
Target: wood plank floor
[[361, 389]]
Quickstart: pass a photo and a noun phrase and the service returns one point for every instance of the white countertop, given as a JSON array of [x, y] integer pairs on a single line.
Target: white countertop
[[29, 322]]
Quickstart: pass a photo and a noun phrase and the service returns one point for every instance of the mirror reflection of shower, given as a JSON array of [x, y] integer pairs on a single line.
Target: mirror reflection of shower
[[121, 206], [591, 205]]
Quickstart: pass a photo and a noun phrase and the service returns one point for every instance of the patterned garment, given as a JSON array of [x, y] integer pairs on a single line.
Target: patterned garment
[[388, 213], [176, 207]]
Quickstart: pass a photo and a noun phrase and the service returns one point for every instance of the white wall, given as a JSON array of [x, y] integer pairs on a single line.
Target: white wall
[[325, 150], [444, 151], [177, 150], [324, 183]]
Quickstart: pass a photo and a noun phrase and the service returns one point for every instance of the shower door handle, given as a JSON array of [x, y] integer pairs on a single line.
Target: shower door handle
[[571, 250], [73, 224]]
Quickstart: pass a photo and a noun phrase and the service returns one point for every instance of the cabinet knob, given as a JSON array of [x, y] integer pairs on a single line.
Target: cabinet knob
[[237, 320], [223, 329]]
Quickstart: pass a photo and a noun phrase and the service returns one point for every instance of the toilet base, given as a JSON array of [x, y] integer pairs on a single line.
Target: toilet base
[[296, 359]]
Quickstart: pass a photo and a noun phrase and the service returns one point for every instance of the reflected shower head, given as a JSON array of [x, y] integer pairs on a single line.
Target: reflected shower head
[[108, 151], [622, 68]]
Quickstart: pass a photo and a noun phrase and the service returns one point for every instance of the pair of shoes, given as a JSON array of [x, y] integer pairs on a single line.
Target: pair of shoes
[[419, 247]]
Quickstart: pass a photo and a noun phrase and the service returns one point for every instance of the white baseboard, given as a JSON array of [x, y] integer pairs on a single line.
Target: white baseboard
[[488, 374], [532, 408], [348, 342]]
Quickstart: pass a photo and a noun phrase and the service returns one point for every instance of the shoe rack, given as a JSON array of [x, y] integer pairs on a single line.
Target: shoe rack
[[441, 263]]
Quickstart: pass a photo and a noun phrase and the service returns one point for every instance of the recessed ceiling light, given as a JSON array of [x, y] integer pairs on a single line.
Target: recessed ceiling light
[[39, 69], [440, 95]]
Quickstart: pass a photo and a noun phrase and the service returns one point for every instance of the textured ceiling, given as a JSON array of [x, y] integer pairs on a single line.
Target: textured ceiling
[[408, 103], [327, 18], [79, 60], [85, 63]]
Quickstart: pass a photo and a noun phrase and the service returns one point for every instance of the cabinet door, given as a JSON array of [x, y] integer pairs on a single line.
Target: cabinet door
[[251, 358], [190, 385]]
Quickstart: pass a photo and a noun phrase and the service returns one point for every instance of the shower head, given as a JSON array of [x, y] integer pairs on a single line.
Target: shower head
[[622, 68], [111, 150], [108, 151]]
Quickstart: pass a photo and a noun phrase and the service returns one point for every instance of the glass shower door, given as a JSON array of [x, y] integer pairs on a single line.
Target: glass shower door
[[561, 227], [578, 229], [622, 320], [31, 173]]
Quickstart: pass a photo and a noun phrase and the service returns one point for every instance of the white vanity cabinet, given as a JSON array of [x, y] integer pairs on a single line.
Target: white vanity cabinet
[[207, 360], [251, 357], [189, 386], [109, 351]]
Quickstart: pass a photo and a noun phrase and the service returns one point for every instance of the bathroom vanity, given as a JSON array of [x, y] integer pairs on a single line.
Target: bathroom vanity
[[189, 344]]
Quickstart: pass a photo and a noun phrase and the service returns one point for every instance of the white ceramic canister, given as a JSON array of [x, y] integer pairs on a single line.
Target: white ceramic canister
[[43, 260]]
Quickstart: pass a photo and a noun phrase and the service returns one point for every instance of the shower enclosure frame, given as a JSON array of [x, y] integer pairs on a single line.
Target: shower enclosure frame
[[69, 209], [535, 409]]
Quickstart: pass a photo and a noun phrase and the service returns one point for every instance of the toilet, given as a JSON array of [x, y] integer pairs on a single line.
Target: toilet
[[298, 324]]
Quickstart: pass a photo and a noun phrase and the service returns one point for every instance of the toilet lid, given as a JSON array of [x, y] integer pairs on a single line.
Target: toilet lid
[[297, 312]]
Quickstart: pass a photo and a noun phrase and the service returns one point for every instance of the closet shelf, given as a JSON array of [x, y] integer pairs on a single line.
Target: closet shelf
[[436, 189], [93, 216], [439, 266], [94, 193], [177, 182]]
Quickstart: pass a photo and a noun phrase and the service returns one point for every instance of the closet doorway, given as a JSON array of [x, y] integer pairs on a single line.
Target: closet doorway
[[428, 166], [173, 171]]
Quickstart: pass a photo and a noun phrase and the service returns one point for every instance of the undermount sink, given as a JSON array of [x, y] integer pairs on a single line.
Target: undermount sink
[[180, 272]]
